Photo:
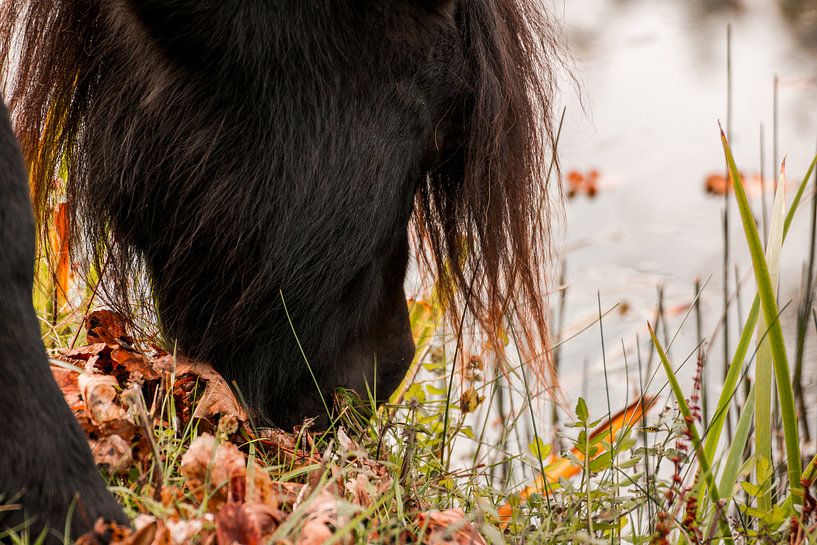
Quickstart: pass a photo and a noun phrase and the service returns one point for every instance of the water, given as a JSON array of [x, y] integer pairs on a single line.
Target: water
[[652, 88]]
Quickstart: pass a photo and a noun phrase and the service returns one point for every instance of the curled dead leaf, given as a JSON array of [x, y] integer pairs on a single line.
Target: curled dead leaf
[[447, 527], [104, 532], [66, 380], [246, 523], [322, 521], [220, 470], [165, 363], [114, 453], [361, 490], [282, 443], [182, 532], [218, 398], [105, 326], [287, 493], [99, 393], [134, 363], [208, 467], [83, 352]]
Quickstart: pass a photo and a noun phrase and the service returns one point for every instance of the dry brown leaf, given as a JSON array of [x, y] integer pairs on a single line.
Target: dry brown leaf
[[84, 352], [113, 452], [447, 527], [223, 468], [113, 534], [287, 494], [165, 363], [67, 382], [246, 523], [361, 490], [470, 400], [322, 520], [218, 398], [182, 532], [145, 535], [346, 443], [99, 393], [280, 442], [214, 464], [134, 363], [105, 326], [148, 530]]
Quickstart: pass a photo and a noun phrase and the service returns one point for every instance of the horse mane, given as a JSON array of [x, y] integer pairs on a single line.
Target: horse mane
[[482, 217], [485, 214]]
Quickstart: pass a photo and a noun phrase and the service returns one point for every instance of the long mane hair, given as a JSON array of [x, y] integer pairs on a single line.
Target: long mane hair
[[485, 217]]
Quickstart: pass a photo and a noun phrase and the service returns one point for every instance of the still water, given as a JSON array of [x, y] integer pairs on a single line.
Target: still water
[[653, 85]]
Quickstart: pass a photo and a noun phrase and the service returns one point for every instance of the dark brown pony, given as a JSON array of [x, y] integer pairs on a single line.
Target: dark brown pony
[[262, 163]]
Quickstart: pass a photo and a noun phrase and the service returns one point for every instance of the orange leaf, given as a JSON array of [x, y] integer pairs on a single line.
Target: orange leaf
[[60, 243], [246, 523], [105, 326], [447, 527], [564, 468]]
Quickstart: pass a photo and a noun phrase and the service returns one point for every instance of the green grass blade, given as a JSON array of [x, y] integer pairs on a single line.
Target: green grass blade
[[730, 383], [763, 415], [734, 457], [768, 305], [715, 427], [765, 360]]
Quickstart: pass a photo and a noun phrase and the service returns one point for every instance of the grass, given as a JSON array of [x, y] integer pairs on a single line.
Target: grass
[[400, 473]]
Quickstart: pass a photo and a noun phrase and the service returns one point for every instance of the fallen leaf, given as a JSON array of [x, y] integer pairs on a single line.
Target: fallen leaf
[[446, 527], [99, 393], [717, 183], [105, 326], [280, 442], [114, 453], [66, 380], [134, 363], [322, 521], [361, 490], [287, 494], [183, 532], [246, 524], [565, 468], [106, 533], [582, 183], [218, 398], [209, 466], [220, 470], [84, 352]]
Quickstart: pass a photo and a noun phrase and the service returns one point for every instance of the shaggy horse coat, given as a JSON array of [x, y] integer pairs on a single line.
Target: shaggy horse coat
[[264, 164]]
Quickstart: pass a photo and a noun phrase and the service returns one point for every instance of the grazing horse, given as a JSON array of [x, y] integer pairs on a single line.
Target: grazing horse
[[266, 165]]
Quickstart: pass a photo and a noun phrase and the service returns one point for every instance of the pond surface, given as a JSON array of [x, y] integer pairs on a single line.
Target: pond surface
[[653, 85]]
